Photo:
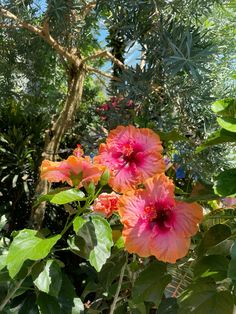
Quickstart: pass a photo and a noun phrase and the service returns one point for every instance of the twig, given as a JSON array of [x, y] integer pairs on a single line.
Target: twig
[[17, 286], [41, 32], [122, 272]]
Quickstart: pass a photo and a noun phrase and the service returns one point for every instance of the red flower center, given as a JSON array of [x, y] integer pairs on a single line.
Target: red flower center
[[130, 153], [160, 216]]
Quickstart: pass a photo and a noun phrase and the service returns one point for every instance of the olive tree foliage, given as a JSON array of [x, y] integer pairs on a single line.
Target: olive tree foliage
[[180, 69]]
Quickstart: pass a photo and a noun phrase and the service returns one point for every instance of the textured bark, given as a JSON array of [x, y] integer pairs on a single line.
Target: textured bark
[[55, 134]]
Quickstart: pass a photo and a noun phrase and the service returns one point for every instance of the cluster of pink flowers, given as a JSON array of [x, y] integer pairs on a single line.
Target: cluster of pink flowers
[[114, 104], [154, 222]]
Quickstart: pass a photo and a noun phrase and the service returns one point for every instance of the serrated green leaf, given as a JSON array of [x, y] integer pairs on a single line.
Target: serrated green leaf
[[49, 280], [225, 183], [67, 196], [27, 245], [151, 283], [228, 124]]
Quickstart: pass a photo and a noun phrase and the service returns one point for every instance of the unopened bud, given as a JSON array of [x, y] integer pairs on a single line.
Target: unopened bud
[[105, 177]]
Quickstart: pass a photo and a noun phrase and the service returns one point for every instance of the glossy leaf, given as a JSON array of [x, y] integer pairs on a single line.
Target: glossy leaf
[[48, 304], [28, 245], [50, 280], [228, 124], [94, 241], [150, 284], [67, 196], [78, 223], [214, 236], [225, 107], [225, 183], [215, 266]]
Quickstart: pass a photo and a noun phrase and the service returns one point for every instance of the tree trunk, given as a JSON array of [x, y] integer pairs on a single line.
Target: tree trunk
[[54, 136]]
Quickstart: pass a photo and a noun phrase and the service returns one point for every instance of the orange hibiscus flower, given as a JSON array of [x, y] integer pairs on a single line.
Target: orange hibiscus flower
[[155, 223], [75, 170]]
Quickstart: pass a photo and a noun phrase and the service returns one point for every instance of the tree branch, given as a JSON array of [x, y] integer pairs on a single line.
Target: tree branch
[[91, 69], [106, 54], [41, 32]]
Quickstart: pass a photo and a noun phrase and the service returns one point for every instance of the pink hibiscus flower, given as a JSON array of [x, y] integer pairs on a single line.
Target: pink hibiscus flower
[[155, 223], [76, 171], [132, 155], [106, 204]]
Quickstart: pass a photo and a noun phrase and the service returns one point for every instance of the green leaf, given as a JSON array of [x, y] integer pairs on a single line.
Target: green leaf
[[215, 266], [172, 136], [93, 242], [225, 107], [203, 298], [78, 223], [3, 221], [228, 124], [150, 284], [78, 307], [29, 306], [67, 299], [168, 306], [232, 263], [213, 236], [67, 196], [50, 280], [27, 245], [48, 304], [225, 183], [218, 137]]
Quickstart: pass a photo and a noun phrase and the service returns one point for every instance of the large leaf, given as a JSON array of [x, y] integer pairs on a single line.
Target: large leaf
[[213, 236], [227, 123], [27, 245], [225, 107], [225, 183], [67, 196], [215, 266], [48, 304], [232, 264], [67, 299], [203, 298], [94, 241], [218, 137], [151, 283], [50, 279]]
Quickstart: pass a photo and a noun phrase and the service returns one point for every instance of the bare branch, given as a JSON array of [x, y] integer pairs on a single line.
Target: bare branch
[[87, 9], [112, 77], [105, 54], [41, 32]]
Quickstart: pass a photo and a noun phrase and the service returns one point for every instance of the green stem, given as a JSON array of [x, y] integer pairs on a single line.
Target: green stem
[[11, 293]]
